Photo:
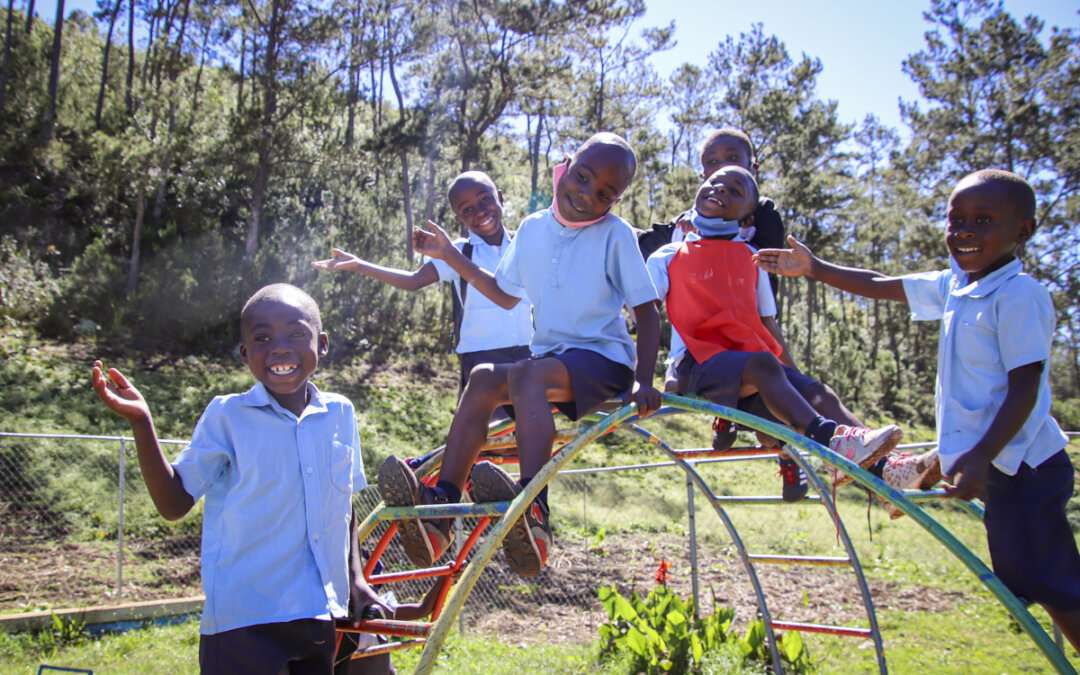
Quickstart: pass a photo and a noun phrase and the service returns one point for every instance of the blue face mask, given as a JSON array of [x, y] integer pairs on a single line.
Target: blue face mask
[[718, 227]]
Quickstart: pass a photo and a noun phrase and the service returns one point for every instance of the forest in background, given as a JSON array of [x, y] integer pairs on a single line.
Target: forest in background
[[161, 159]]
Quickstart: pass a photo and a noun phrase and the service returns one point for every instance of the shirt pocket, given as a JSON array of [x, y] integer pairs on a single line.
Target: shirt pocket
[[977, 344], [341, 461]]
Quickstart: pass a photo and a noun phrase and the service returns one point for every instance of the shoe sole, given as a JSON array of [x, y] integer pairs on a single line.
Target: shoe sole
[[492, 484], [399, 487], [929, 478], [887, 445]]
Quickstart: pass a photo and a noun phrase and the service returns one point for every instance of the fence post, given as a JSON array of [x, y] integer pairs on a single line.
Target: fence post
[[120, 525], [693, 541]]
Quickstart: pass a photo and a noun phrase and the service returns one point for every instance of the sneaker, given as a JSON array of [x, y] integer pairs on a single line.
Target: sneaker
[[425, 541], [529, 540], [905, 471], [862, 446], [795, 487], [724, 433]]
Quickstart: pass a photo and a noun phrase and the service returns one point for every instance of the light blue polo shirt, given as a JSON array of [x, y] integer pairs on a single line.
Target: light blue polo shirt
[[485, 325], [1000, 322], [658, 269], [278, 494], [578, 281]]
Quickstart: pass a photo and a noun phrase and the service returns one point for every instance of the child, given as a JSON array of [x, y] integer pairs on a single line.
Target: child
[[278, 465], [488, 333], [722, 309], [579, 264], [996, 437]]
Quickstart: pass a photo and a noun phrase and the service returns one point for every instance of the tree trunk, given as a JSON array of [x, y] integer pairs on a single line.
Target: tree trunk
[[105, 63], [136, 235], [29, 16], [54, 74], [406, 197], [131, 58], [429, 207], [7, 52], [811, 297], [198, 74], [262, 170]]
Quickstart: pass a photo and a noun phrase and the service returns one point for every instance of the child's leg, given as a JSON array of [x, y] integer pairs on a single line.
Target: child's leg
[[764, 374], [827, 403], [487, 390], [1069, 623], [533, 386]]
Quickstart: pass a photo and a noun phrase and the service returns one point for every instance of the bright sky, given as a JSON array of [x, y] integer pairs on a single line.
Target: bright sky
[[861, 43]]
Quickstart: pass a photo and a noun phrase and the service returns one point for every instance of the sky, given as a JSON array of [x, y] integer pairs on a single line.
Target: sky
[[861, 43]]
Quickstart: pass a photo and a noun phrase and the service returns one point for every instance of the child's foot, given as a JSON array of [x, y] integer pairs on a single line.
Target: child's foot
[[794, 479], [425, 541], [724, 434], [905, 471], [862, 446], [527, 543]]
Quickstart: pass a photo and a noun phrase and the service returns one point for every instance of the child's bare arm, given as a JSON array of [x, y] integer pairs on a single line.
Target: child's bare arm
[[437, 245], [774, 329], [798, 261], [359, 590], [163, 484], [409, 281], [969, 474], [648, 343]]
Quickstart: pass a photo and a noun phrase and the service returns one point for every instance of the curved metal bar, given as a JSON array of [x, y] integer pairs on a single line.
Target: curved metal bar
[[733, 532]]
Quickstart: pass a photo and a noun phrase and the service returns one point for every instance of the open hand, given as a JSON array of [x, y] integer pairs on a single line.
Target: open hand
[[648, 399], [789, 262], [342, 260], [119, 394], [434, 243]]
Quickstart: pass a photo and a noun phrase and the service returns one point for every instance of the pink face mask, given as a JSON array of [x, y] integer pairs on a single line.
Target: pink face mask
[[557, 174]]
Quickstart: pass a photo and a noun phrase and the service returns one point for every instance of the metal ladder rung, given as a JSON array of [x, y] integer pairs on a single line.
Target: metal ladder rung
[[820, 561], [764, 500], [844, 631], [735, 453], [411, 629]]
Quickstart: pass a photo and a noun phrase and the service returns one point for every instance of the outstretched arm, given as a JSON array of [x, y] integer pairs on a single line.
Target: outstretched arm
[[437, 244], [648, 343], [409, 281], [162, 482], [798, 261]]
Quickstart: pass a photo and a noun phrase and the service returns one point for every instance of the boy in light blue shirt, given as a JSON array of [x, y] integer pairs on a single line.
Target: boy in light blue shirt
[[579, 265], [278, 466], [996, 438]]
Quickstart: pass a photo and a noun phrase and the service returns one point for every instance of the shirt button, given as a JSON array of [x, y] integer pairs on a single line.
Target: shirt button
[[315, 537], [554, 260], [309, 470]]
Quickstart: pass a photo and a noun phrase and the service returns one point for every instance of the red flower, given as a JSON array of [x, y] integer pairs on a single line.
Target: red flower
[[662, 572]]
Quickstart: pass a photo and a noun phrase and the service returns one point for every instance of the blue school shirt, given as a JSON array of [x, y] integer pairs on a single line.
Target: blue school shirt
[[485, 325], [991, 326], [658, 269], [578, 281], [278, 503]]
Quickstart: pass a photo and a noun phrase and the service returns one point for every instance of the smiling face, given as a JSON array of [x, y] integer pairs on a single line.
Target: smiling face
[[724, 150], [729, 193], [478, 205], [281, 344], [984, 226], [594, 181]]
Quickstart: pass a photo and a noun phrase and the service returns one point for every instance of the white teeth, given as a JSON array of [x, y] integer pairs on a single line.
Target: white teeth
[[282, 370]]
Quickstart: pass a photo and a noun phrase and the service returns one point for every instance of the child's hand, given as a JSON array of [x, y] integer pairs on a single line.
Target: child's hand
[[793, 262], [969, 476], [434, 244], [686, 225], [119, 395], [363, 597], [342, 260], [646, 396]]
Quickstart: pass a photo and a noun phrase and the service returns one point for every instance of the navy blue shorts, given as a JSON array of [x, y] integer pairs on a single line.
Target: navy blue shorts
[[470, 360], [594, 379], [720, 378], [1032, 547], [300, 647]]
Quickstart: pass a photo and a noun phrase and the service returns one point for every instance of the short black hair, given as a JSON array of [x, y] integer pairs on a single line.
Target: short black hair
[[1018, 191], [288, 294], [470, 177], [737, 134], [609, 138]]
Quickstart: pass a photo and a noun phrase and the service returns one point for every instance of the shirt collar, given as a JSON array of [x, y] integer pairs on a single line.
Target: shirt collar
[[259, 397], [476, 240], [988, 284]]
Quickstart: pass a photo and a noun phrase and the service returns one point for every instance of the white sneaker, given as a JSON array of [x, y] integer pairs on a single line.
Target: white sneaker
[[905, 471], [862, 446]]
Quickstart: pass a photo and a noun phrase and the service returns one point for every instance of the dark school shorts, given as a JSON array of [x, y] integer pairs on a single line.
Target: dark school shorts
[[593, 378], [301, 647], [1032, 547], [720, 378], [470, 360]]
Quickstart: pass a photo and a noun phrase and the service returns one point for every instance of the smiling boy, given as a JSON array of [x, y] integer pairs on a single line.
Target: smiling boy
[[722, 308], [277, 465], [996, 437], [579, 265]]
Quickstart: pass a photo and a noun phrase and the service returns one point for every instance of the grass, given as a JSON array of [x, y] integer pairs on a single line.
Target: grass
[[405, 408]]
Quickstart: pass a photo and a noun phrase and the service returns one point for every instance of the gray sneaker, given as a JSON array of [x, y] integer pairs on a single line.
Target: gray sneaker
[[529, 540]]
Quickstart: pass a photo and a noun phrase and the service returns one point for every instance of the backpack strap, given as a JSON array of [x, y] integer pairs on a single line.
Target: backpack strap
[[459, 300]]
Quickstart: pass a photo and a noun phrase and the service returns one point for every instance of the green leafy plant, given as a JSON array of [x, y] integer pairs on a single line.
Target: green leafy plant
[[662, 635]]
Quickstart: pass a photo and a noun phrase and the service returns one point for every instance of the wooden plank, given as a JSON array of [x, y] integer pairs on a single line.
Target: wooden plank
[[132, 611]]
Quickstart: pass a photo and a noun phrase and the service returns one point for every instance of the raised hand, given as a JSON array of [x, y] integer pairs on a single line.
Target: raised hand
[[342, 260], [789, 262], [434, 244], [119, 395]]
